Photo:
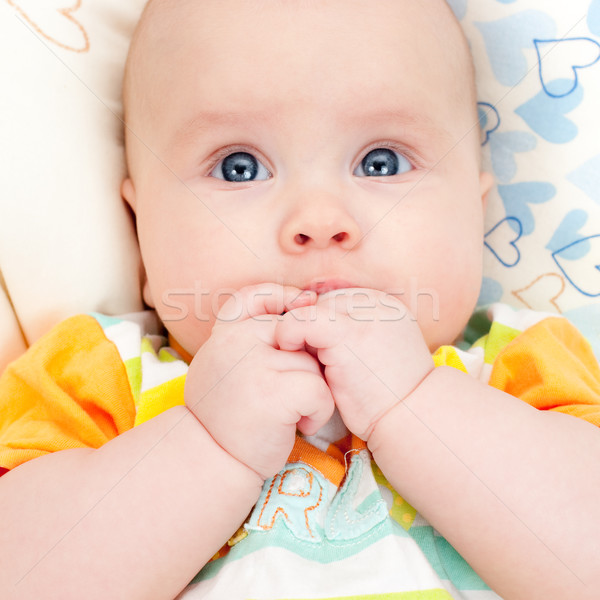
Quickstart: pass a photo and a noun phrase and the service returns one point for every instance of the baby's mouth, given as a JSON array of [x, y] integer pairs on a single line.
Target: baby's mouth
[[322, 286]]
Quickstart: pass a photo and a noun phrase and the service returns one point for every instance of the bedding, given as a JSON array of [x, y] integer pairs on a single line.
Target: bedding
[[67, 242], [538, 75]]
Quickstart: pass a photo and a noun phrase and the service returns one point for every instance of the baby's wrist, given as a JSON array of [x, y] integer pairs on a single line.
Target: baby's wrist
[[226, 456], [383, 430]]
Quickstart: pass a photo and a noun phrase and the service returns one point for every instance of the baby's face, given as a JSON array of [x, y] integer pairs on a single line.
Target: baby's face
[[300, 142]]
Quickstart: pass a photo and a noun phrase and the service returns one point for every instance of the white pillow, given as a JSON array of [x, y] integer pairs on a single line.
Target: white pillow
[[67, 243], [538, 74]]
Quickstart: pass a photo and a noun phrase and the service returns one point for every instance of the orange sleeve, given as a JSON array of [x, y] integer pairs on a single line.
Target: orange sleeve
[[552, 367], [69, 390]]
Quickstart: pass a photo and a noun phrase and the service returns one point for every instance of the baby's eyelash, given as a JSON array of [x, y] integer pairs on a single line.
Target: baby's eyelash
[[226, 151], [402, 149], [222, 153]]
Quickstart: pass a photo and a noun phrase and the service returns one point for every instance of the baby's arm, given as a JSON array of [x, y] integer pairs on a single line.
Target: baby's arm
[[136, 518], [515, 490], [140, 516]]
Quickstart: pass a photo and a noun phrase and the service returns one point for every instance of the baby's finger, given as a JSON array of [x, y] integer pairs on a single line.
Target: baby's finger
[[314, 326], [283, 361], [310, 400], [365, 304], [263, 299]]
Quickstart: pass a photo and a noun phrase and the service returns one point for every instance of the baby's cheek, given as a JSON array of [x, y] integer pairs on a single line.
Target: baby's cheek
[[443, 324], [189, 333]]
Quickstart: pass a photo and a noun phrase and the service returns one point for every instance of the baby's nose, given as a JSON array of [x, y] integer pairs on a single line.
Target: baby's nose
[[319, 225], [321, 241]]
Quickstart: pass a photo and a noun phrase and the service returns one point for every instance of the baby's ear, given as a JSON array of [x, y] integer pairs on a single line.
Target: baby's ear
[[128, 192], [486, 183]]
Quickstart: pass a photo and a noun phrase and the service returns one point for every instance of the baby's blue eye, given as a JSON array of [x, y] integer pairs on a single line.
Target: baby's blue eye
[[383, 162], [240, 167]]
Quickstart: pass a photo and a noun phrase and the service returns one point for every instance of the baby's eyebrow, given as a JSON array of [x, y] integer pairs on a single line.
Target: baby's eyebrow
[[206, 120], [414, 123]]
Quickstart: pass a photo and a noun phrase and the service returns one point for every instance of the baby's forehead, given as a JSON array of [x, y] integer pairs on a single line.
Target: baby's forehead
[[163, 20], [173, 32]]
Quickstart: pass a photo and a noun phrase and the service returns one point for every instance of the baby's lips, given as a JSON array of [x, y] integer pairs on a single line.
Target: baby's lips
[[322, 286]]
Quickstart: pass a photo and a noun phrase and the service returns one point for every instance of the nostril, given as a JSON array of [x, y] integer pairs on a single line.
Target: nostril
[[301, 239]]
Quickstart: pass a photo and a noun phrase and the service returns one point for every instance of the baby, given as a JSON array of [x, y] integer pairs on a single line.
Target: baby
[[309, 202]]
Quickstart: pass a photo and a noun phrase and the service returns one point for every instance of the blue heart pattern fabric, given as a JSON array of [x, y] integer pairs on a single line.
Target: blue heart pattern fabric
[[538, 74]]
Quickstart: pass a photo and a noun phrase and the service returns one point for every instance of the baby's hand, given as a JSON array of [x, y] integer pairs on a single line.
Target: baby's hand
[[372, 349], [249, 394]]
